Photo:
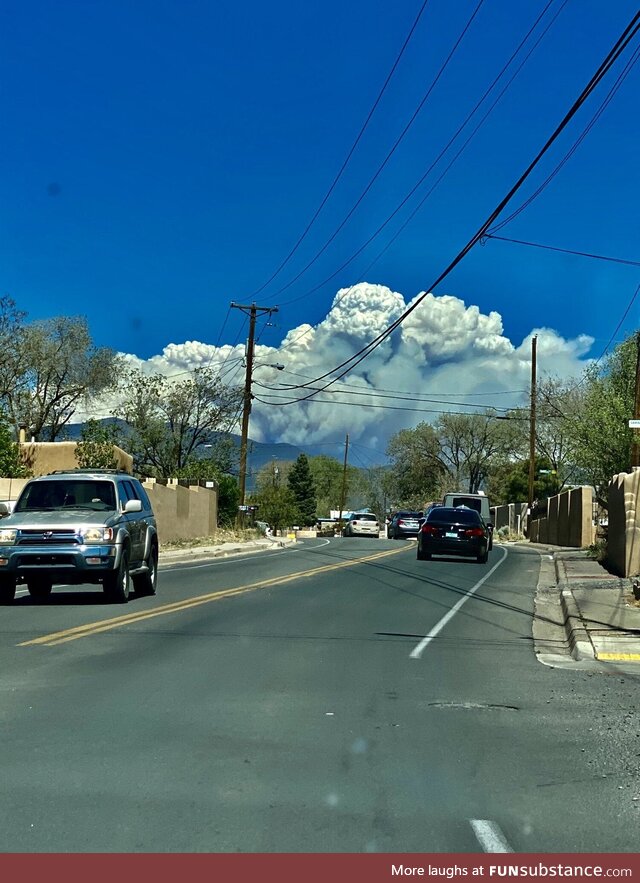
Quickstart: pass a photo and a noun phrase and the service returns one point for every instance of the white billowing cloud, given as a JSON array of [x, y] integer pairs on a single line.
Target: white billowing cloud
[[444, 351]]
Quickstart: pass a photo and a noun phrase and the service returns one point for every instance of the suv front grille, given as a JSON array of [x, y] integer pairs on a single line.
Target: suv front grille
[[42, 537]]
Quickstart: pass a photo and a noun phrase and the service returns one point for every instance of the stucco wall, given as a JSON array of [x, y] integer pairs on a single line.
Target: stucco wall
[[183, 512], [569, 520], [623, 542], [41, 458]]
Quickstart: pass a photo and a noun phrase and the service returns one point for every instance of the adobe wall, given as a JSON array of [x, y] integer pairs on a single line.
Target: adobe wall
[[10, 488], [552, 521], [563, 518], [41, 458], [623, 543], [581, 527], [183, 512]]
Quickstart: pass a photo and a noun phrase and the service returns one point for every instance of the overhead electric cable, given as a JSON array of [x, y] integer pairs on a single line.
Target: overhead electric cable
[[396, 398], [349, 154], [612, 56], [583, 254], [396, 408], [284, 386], [594, 119], [462, 126], [387, 157]]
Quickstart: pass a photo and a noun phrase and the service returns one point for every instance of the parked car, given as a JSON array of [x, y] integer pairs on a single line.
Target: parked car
[[362, 524], [80, 526], [404, 524], [454, 531]]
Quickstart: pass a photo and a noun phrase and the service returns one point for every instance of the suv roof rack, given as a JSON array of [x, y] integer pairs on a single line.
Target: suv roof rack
[[90, 470]]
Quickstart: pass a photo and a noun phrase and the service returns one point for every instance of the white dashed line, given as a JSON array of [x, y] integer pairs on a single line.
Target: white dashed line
[[489, 836], [416, 653]]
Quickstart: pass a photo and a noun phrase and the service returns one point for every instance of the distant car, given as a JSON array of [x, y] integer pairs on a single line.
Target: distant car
[[404, 524], [454, 531], [362, 524]]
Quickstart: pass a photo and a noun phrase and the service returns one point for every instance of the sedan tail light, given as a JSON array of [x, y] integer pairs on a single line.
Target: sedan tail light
[[429, 529], [474, 532]]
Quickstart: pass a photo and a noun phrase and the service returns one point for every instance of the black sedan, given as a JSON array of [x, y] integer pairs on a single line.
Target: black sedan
[[448, 531], [404, 524]]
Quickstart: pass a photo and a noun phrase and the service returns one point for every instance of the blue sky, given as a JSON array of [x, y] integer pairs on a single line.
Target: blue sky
[[159, 159]]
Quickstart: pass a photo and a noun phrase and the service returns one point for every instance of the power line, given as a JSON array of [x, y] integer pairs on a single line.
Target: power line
[[400, 391], [453, 138], [583, 254], [594, 119], [393, 408], [610, 59], [349, 154], [397, 398], [387, 157]]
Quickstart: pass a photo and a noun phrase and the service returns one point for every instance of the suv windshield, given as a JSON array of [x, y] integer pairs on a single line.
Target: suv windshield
[[70, 493]]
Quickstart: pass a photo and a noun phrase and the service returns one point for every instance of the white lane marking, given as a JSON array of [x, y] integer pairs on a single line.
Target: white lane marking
[[489, 835], [416, 653]]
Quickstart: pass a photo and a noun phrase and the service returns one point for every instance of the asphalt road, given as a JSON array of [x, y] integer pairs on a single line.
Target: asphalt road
[[337, 697]]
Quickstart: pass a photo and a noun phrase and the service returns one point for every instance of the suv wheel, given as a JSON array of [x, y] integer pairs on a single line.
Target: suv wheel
[[7, 589], [145, 583], [39, 589], [117, 583]]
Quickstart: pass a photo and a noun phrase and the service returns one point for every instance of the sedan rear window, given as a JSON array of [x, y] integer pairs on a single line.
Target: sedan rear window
[[363, 516], [453, 516]]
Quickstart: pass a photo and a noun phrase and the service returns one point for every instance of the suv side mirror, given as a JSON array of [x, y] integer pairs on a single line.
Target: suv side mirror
[[133, 506], [4, 510]]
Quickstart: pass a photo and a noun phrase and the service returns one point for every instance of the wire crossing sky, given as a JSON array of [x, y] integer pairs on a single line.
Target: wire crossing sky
[[161, 161]]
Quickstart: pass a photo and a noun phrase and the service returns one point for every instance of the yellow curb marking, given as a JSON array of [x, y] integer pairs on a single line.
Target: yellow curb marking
[[105, 625], [620, 657]]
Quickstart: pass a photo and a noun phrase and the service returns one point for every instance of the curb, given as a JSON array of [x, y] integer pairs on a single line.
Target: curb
[[227, 550], [580, 644]]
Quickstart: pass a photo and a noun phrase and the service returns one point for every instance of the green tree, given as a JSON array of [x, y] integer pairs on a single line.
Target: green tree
[[601, 436], [470, 444], [56, 369], [171, 421], [11, 463], [509, 483], [95, 448], [417, 473], [302, 486], [276, 503], [327, 478]]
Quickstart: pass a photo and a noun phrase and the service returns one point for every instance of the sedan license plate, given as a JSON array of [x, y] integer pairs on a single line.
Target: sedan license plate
[[453, 536]]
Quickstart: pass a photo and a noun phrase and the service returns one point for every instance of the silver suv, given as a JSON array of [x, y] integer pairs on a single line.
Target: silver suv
[[79, 526]]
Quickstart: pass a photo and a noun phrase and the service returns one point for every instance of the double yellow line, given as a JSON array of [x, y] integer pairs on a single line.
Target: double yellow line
[[106, 625]]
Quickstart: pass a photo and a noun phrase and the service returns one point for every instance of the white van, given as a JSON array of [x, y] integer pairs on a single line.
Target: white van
[[479, 502]]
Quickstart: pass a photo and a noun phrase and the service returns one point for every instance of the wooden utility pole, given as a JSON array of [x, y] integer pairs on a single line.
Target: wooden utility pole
[[252, 311], [532, 426], [343, 492], [635, 447]]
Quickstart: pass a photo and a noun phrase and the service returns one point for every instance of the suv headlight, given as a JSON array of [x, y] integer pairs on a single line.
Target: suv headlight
[[8, 536], [96, 534]]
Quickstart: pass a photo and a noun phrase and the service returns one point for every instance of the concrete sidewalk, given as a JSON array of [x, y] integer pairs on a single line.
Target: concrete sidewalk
[[601, 615]]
